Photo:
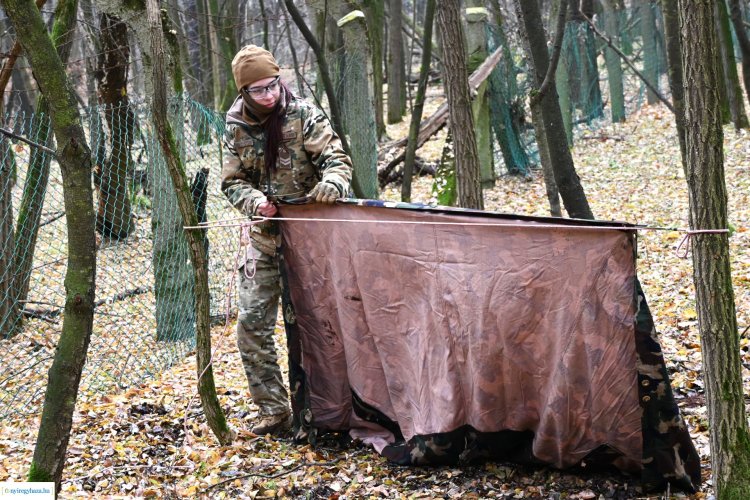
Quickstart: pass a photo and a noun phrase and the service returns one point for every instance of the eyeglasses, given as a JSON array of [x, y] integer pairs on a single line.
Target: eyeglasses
[[256, 92]]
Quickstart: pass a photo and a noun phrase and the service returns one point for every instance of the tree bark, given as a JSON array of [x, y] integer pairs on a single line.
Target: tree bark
[[614, 68], [416, 113], [650, 56], [114, 214], [9, 309], [717, 321], [568, 183], [375, 25], [674, 72], [735, 12], [222, 22], [729, 66], [32, 201], [196, 239], [396, 65], [468, 188], [74, 158], [590, 94]]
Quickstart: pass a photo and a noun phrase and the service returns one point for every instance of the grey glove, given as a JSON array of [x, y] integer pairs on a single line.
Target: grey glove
[[324, 192]]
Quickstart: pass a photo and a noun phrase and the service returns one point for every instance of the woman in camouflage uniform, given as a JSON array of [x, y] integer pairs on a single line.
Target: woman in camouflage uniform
[[277, 146]]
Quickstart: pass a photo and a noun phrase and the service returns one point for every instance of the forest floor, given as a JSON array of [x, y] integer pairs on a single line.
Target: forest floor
[[152, 440]]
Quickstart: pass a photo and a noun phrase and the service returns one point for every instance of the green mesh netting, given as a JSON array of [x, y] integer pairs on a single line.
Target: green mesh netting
[[144, 319]]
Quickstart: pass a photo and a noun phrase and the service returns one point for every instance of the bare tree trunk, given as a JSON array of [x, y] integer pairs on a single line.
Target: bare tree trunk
[[614, 68], [114, 215], [226, 47], [375, 19], [8, 306], [650, 57], [74, 158], [264, 18], [729, 66], [468, 187], [717, 320], [566, 178], [416, 114], [674, 71], [396, 65], [37, 176], [196, 239], [740, 31]]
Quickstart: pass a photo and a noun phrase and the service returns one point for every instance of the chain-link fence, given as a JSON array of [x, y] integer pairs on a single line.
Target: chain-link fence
[[144, 319]]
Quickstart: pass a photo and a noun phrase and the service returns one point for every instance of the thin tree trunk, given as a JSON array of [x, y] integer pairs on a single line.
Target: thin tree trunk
[[416, 114], [114, 215], [37, 176], [264, 18], [562, 82], [731, 78], [553, 194], [27, 93], [592, 94], [227, 48], [196, 239], [614, 68], [375, 19], [717, 320], [396, 64], [8, 306], [674, 72], [74, 158], [468, 187], [650, 57], [568, 183], [297, 68], [735, 12]]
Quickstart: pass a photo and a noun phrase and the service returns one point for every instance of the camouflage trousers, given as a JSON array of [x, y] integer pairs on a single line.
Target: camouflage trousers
[[258, 307]]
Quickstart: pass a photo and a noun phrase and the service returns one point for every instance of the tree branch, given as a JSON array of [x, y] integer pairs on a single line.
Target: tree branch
[[549, 78], [619, 52], [27, 141]]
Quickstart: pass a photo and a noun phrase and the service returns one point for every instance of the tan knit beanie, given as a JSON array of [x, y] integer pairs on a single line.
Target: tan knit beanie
[[253, 63]]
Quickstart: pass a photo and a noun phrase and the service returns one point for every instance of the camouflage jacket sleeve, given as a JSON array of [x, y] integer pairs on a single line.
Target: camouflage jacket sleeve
[[236, 184], [326, 152]]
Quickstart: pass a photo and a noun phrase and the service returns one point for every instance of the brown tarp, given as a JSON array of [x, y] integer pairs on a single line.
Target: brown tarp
[[431, 322]]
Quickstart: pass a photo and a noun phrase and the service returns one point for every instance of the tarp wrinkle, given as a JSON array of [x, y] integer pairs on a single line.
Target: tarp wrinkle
[[447, 343]]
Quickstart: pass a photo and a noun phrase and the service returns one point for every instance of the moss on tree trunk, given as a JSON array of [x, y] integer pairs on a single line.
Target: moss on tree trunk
[[717, 320], [73, 156]]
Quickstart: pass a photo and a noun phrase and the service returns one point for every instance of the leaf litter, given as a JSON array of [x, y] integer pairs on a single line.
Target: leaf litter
[[152, 440]]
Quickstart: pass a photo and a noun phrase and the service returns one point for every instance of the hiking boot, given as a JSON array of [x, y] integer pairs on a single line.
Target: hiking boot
[[273, 424]]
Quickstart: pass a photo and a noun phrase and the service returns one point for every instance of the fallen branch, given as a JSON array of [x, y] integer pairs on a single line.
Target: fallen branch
[[431, 125], [602, 137], [47, 314], [397, 174], [272, 476], [140, 290]]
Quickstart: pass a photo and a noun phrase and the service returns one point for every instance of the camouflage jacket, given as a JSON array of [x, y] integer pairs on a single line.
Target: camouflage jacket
[[310, 152]]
